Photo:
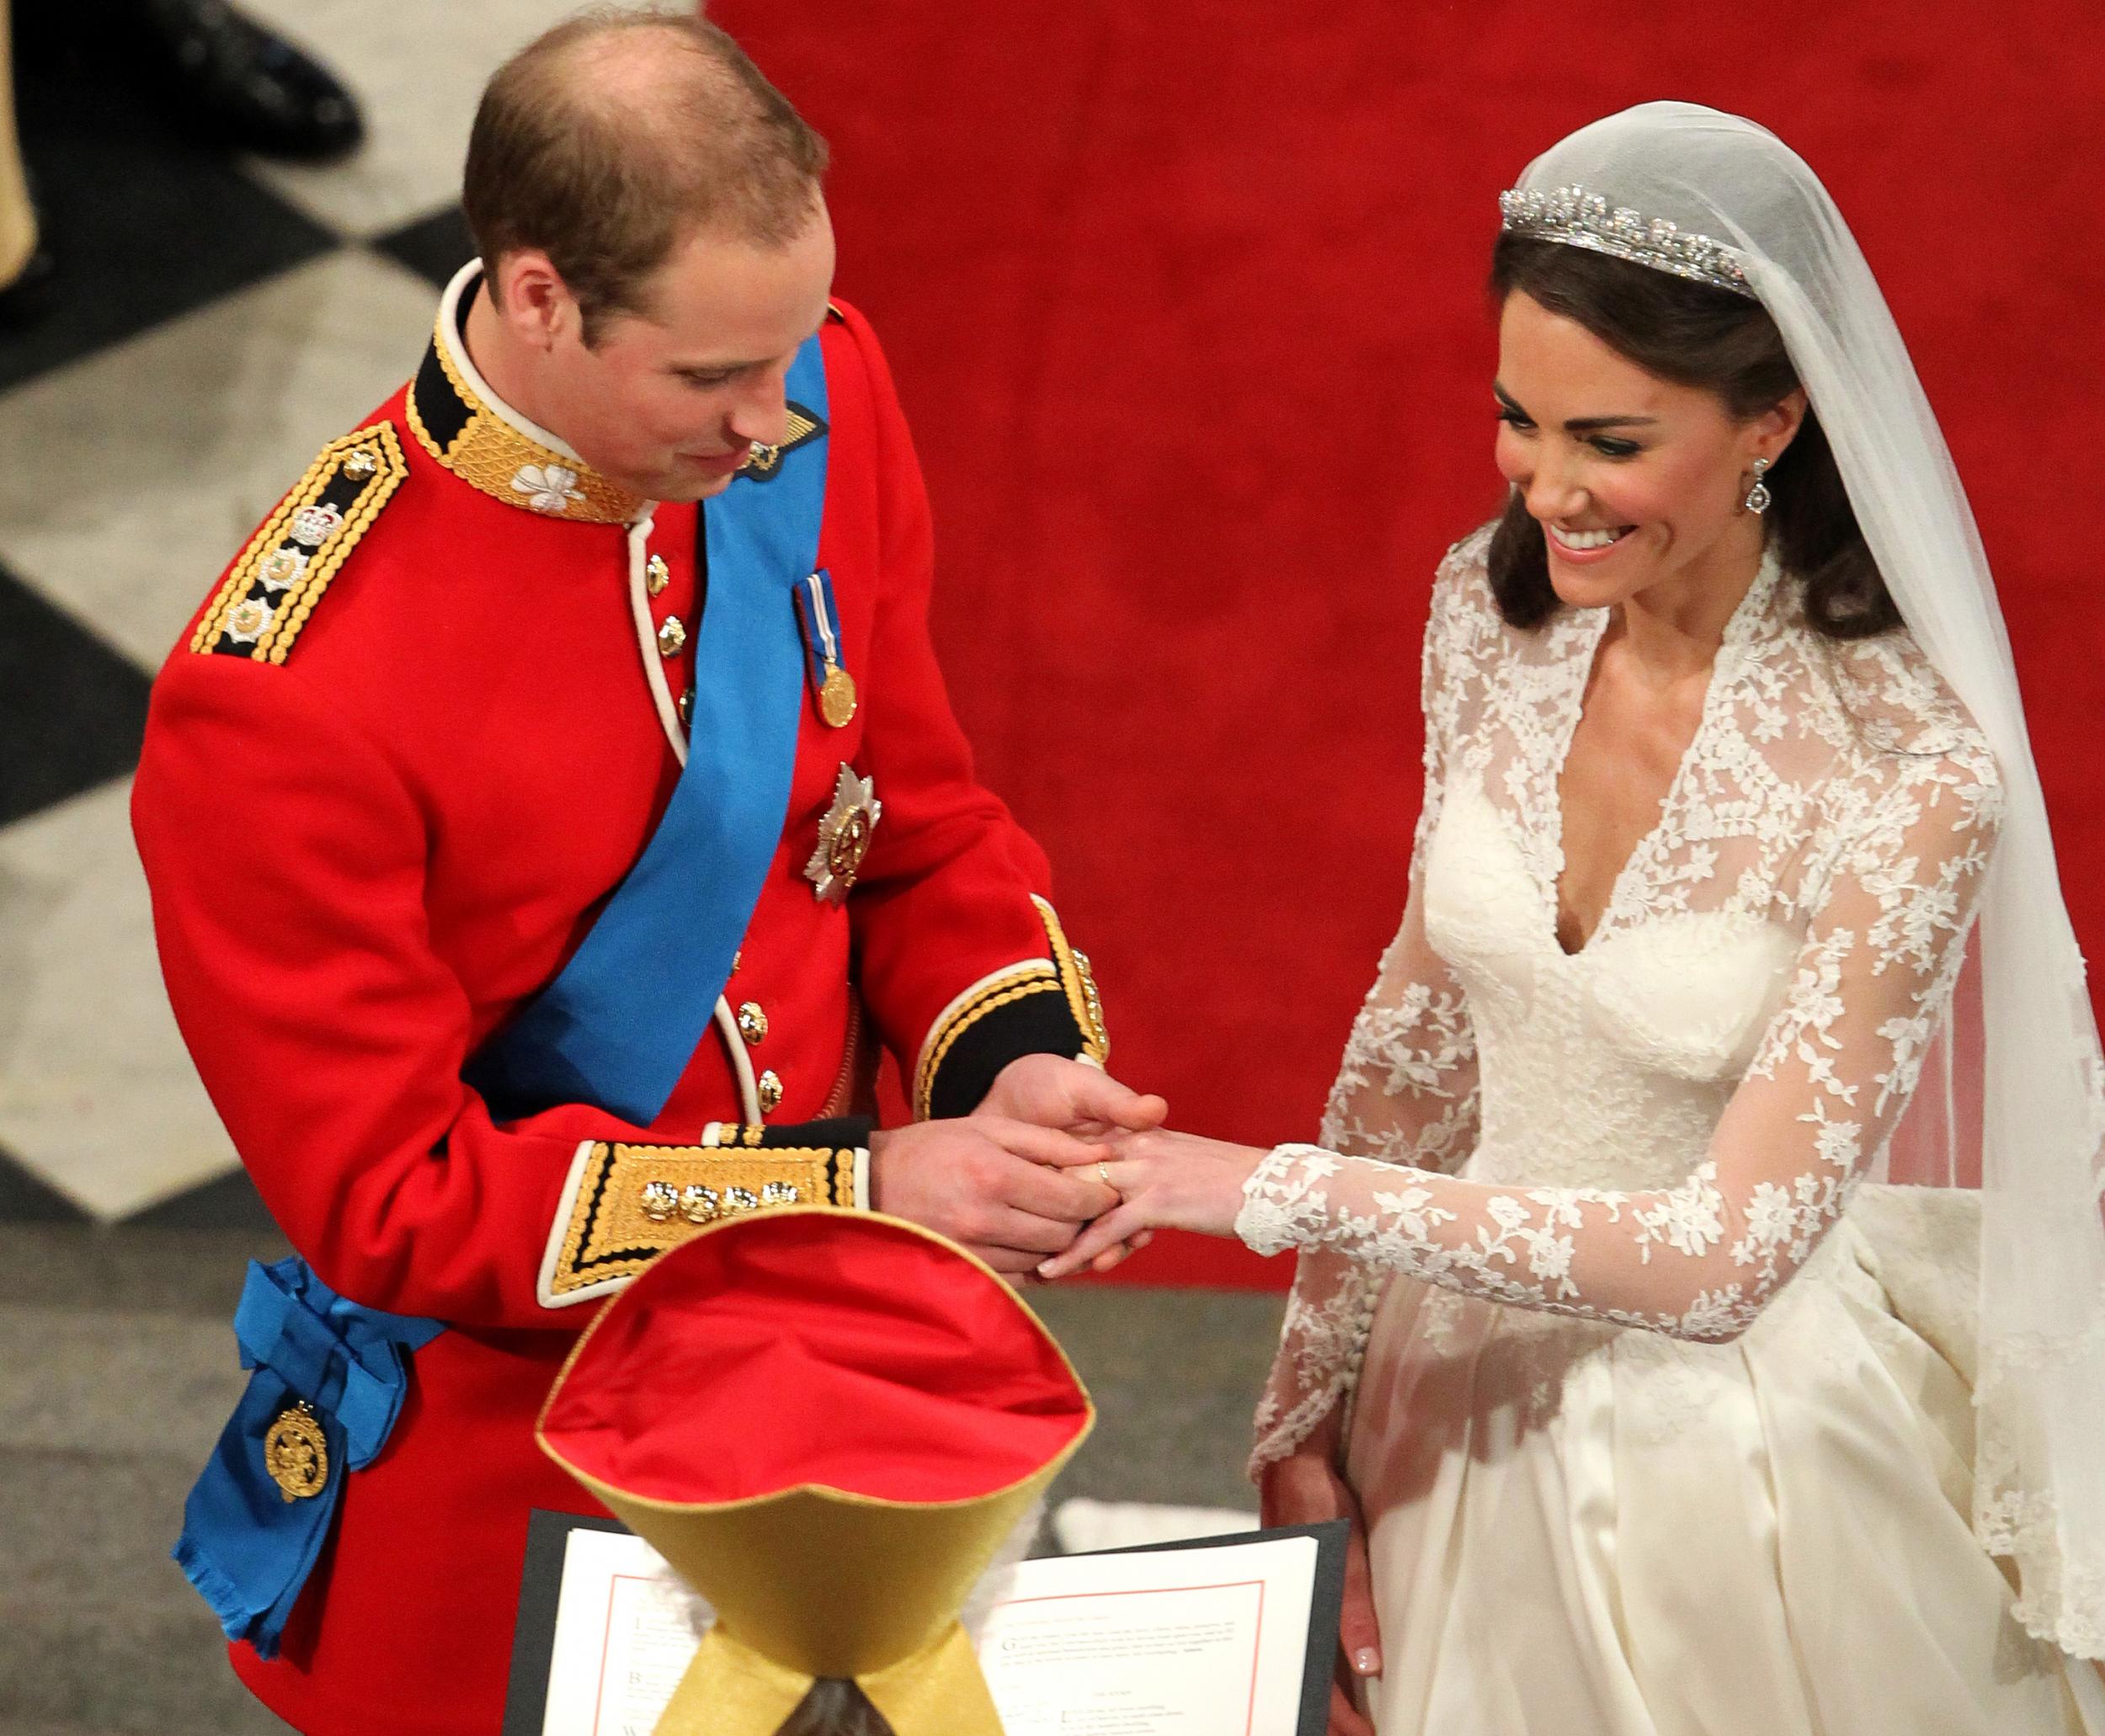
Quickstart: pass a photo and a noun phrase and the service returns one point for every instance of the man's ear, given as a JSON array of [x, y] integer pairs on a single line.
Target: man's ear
[[532, 299]]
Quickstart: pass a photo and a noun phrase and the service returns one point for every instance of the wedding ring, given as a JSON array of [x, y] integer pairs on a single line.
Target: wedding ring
[[1104, 1170]]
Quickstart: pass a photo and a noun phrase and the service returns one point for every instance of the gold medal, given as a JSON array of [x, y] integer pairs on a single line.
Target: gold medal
[[296, 1453], [837, 697]]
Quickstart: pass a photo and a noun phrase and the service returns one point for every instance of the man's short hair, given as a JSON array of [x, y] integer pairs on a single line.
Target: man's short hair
[[608, 140]]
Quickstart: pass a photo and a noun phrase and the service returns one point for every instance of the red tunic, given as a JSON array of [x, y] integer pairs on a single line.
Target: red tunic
[[363, 856]]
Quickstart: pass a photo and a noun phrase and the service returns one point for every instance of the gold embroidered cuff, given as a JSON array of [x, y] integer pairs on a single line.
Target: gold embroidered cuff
[[623, 1205], [1079, 983], [1039, 1006]]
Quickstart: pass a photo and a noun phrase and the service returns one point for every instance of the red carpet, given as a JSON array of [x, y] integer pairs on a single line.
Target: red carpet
[[1184, 302]]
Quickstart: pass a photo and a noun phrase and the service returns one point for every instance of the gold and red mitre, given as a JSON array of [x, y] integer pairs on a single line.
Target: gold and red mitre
[[827, 1421]]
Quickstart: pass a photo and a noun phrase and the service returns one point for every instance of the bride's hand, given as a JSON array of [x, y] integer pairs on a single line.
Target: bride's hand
[[1165, 1180]]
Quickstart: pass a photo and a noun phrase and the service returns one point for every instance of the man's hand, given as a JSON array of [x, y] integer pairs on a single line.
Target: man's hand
[[1010, 1192], [1052, 1091], [1165, 1180], [1081, 1099], [1305, 1488]]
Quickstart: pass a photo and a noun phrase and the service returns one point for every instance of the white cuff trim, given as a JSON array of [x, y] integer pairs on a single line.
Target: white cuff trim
[[552, 1257]]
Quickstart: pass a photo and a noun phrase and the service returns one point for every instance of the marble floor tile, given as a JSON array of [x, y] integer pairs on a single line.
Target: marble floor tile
[[145, 221], [1175, 1375], [228, 1202], [98, 1630], [119, 1383], [15, 1727], [434, 247], [97, 1097], [71, 709], [133, 477], [418, 77], [190, 1274], [1082, 1526], [58, 1505], [25, 1198]]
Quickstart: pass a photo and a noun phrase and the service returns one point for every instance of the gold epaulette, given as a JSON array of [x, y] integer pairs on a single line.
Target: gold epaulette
[[625, 1205], [272, 589]]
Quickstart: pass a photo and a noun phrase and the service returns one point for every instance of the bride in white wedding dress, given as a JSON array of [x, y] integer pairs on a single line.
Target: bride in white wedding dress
[[1668, 1410]]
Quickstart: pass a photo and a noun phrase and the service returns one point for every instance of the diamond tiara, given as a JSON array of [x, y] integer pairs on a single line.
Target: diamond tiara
[[1580, 219]]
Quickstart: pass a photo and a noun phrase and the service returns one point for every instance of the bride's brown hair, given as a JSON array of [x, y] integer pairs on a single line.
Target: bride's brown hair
[[1694, 335]]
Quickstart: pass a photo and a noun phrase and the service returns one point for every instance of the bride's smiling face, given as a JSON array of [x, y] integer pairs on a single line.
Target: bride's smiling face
[[1637, 481]]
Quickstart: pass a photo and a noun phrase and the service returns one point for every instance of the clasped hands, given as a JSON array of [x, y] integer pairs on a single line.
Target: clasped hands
[[1061, 1166]]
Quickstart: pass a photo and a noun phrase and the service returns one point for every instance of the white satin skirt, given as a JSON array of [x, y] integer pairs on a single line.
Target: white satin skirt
[[1578, 1529]]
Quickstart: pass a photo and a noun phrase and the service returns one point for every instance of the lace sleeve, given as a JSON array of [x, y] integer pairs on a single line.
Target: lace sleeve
[[1405, 1094], [1835, 1066]]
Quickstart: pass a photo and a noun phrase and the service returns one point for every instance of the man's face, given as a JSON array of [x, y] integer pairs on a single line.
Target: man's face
[[669, 400]]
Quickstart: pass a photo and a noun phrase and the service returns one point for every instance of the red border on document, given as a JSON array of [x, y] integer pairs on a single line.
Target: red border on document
[[607, 1640]]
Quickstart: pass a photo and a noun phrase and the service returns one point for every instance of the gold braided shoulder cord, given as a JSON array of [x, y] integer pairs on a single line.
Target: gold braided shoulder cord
[[236, 585], [379, 441], [293, 613]]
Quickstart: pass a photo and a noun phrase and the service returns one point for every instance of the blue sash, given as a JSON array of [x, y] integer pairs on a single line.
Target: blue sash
[[619, 1024], [247, 1546], [617, 1028]]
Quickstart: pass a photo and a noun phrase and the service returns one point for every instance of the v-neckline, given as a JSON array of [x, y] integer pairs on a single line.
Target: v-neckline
[[1725, 672]]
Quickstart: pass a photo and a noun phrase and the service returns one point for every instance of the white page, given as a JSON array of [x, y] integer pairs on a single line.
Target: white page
[[625, 1627], [1171, 1642]]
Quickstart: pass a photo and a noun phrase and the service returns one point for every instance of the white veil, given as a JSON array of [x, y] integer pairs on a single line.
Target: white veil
[[2017, 1105]]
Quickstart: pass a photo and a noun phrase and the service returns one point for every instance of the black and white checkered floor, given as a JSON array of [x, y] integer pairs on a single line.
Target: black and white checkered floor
[[219, 320]]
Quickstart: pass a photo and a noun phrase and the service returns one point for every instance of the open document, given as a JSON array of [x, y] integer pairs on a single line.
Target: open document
[[1226, 1637]]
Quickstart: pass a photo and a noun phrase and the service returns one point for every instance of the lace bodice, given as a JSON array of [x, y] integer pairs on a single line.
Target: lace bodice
[[1657, 1130]]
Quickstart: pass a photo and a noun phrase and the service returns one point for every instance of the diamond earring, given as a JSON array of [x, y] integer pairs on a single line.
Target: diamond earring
[[1758, 497]]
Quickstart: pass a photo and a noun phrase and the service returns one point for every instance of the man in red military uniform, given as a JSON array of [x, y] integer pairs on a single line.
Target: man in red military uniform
[[540, 835]]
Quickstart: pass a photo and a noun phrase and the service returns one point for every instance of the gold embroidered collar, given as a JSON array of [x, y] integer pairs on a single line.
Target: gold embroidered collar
[[489, 445]]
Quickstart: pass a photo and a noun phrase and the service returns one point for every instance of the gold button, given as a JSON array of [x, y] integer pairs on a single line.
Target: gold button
[[657, 575], [740, 1199], [770, 1093], [752, 1024], [360, 463], [779, 1193], [687, 712], [672, 635], [661, 1200], [699, 1205]]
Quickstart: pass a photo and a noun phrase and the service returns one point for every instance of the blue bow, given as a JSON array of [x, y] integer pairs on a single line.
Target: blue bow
[[246, 1546]]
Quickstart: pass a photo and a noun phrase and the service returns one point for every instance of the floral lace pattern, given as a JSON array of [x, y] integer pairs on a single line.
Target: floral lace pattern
[[1657, 1131]]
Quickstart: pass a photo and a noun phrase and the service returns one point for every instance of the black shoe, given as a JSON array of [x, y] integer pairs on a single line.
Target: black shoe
[[230, 76]]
